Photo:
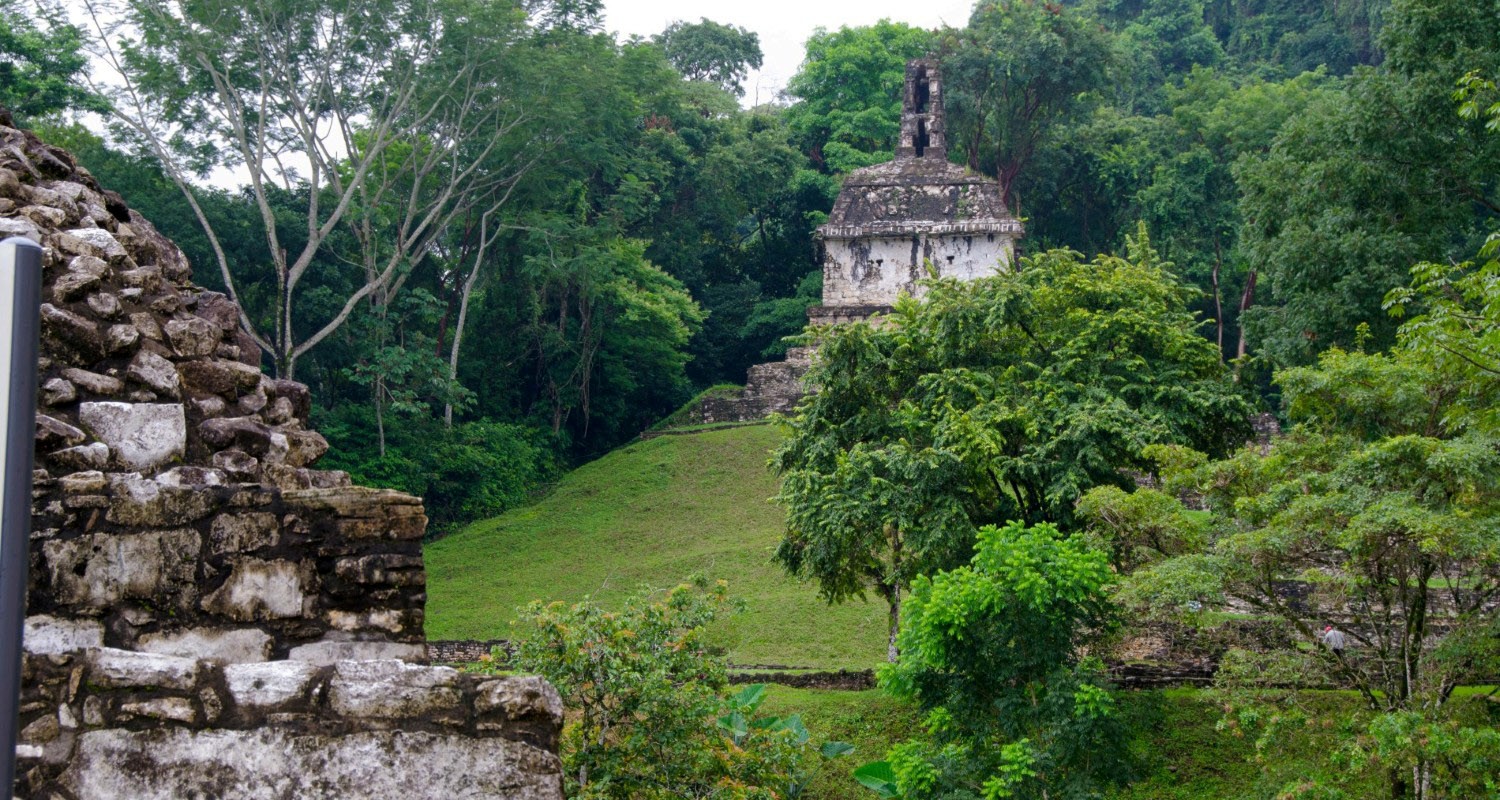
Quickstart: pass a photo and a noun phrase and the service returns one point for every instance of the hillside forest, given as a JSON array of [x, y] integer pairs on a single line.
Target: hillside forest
[[545, 239], [500, 242]]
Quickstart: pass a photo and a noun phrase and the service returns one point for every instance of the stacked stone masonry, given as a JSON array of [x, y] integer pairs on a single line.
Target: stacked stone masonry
[[180, 530]]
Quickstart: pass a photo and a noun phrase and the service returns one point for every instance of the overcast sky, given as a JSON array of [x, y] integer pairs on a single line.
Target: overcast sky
[[783, 25]]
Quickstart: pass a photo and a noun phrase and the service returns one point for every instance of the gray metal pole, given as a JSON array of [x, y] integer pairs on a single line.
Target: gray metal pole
[[20, 302]]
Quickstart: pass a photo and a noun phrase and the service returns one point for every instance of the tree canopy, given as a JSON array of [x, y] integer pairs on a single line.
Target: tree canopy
[[1004, 398]]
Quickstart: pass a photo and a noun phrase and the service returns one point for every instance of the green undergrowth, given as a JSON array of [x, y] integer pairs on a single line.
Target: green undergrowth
[[652, 513], [1179, 753]]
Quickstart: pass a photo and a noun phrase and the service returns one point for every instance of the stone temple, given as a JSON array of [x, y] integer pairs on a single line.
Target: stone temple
[[916, 217], [893, 225]]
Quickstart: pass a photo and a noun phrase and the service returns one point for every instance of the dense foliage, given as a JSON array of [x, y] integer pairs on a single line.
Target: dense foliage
[[584, 232], [1004, 398], [1006, 719], [646, 697], [1382, 503]]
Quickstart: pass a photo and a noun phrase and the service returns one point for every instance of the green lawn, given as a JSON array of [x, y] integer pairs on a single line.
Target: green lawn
[[652, 514]]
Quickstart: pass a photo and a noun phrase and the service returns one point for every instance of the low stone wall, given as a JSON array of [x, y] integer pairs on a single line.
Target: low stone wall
[[457, 651], [107, 723]]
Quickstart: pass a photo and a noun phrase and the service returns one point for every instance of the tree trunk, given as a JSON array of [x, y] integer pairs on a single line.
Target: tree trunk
[[1245, 300], [379, 416], [1218, 296], [893, 598], [463, 311]]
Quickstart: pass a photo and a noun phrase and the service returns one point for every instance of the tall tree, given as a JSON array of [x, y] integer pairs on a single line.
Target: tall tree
[[1362, 185], [40, 64], [1007, 719], [849, 92], [709, 51], [1012, 75], [395, 119]]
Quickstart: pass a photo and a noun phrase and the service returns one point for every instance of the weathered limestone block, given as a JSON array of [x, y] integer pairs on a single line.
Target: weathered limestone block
[[67, 335], [127, 669], [57, 392], [269, 686], [101, 240], [93, 456], [274, 764], [47, 635], [149, 503], [94, 382], [145, 325], [245, 433], [86, 482], [244, 533], [122, 337], [260, 590], [384, 619], [14, 226], [527, 697], [155, 372], [232, 645], [175, 709], [53, 432], [218, 376], [392, 690], [305, 447], [105, 305], [142, 436], [99, 570], [194, 336], [386, 568]]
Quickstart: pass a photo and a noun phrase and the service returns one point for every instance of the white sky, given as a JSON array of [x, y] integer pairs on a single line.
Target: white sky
[[783, 25]]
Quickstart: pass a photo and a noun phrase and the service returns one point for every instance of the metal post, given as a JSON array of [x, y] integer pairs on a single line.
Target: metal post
[[20, 302]]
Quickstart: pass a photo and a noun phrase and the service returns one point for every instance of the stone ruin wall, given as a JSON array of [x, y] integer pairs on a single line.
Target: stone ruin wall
[[877, 270], [204, 607]]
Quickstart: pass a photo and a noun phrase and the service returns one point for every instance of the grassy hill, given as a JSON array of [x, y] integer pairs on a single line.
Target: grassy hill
[[652, 513]]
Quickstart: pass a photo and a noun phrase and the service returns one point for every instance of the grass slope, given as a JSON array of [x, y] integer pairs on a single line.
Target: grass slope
[[652, 513]]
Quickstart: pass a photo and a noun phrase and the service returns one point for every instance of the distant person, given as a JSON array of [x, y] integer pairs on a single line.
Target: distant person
[[1334, 638]]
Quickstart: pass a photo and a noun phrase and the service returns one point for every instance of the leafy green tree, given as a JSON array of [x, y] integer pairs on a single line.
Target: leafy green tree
[[1004, 398], [645, 692], [1360, 186], [709, 51], [848, 91], [40, 65], [1019, 69], [1382, 503], [990, 651], [1282, 38], [394, 119]]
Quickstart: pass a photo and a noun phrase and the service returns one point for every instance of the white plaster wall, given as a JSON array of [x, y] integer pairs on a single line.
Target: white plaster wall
[[876, 270]]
